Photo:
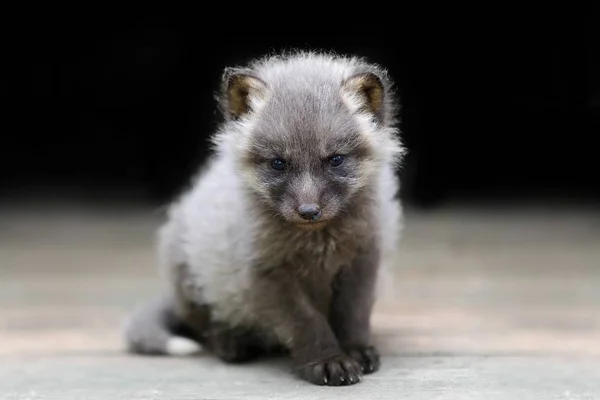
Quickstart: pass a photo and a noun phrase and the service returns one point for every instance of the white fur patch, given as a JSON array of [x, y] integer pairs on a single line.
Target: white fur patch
[[180, 347]]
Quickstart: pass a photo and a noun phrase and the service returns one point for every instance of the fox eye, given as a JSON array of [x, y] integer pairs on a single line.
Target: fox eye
[[278, 164], [336, 160]]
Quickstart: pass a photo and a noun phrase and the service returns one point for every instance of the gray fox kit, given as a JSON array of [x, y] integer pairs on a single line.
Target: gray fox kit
[[279, 241]]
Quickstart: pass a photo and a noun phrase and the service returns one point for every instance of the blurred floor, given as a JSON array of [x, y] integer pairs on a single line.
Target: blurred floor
[[488, 303]]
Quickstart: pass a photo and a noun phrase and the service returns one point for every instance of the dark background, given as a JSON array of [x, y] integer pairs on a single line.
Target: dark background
[[496, 103]]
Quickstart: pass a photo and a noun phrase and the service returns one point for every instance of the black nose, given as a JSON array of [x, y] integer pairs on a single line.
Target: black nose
[[310, 212]]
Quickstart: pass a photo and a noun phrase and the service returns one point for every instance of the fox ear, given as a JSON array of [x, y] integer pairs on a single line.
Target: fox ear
[[368, 92], [242, 93]]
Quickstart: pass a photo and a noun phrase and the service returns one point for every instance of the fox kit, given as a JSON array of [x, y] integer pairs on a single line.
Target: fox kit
[[278, 243]]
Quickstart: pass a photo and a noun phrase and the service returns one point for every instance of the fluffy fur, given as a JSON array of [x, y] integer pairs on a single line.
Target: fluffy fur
[[247, 272]]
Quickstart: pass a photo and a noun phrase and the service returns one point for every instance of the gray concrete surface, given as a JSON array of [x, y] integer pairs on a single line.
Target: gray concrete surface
[[493, 303]]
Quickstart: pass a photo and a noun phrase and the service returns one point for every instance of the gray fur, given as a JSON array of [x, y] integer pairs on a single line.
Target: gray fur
[[152, 327], [248, 255], [154, 317]]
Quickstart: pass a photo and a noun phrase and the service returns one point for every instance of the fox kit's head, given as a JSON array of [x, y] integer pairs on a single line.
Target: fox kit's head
[[309, 132]]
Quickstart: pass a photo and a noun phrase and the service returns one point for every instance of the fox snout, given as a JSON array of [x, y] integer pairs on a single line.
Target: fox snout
[[309, 212]]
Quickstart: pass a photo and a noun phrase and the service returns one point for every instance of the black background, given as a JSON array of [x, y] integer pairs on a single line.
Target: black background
[[501, 103]]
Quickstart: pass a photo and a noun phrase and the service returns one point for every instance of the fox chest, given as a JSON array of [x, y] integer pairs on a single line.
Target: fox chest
[[315, 264]]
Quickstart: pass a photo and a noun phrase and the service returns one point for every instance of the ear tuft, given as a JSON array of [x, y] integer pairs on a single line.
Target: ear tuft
[[242, 91], [369, 89]]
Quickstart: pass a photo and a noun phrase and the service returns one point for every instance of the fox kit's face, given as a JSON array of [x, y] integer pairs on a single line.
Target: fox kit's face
[[304, 148], [306, 167]]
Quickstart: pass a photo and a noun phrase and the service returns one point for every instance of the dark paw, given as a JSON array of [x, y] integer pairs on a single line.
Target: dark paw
[[333, 371], [367, 357]]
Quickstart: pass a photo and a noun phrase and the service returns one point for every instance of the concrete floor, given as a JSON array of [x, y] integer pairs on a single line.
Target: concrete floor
[[492, 303]]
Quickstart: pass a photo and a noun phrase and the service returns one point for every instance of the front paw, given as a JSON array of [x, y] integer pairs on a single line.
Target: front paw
[[332, 371], [366, 356]]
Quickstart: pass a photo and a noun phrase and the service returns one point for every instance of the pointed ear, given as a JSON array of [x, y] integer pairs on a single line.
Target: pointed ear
[[368, 91], [242, 93]]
